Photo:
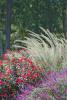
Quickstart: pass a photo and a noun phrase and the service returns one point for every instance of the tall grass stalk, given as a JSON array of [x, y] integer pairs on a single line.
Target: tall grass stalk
[[45, 49]]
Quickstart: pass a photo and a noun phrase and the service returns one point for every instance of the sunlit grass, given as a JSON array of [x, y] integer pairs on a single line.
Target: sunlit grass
[[45, 49]]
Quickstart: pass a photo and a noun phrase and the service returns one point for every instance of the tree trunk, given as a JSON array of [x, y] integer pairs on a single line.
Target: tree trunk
[[49, 14], [64, 12], [1, 49], [8, 23]]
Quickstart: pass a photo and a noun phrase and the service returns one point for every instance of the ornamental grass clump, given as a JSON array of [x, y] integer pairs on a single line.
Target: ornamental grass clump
[[45, 49], [16, 70]]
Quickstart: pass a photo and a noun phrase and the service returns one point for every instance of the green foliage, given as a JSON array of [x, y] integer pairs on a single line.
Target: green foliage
[[30, 15], [34, 13]]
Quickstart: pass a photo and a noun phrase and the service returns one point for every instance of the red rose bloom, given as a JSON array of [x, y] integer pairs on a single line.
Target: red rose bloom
[[0, 63], [1, 82]]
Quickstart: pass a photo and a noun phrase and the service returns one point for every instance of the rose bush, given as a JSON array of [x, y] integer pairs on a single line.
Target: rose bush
[[16, 69]]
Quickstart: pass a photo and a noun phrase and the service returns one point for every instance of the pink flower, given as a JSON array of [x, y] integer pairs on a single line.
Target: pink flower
[[23, 75], [33, 77], [19, 80], [3, 95], [1, 75], [29, 73], [5, 56], [34, 68], [8, 70], [22, 59], [37, 74], [30, 62], [0, 63], [13, 60], [1, 82]]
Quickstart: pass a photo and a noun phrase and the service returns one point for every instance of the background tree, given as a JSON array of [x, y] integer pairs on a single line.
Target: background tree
[[8, 22], [2, 24], [20, 15], [64, 13]]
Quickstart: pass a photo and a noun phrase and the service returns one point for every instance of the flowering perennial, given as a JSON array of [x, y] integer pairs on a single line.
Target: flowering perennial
[[52, 88], [17, 69]]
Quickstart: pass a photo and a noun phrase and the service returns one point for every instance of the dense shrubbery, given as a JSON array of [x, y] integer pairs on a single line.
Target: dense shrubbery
[[51, 53], [17, 69], [38, 71]]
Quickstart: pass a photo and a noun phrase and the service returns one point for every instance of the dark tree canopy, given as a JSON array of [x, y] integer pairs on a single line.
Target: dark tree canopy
[[19, 15]]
